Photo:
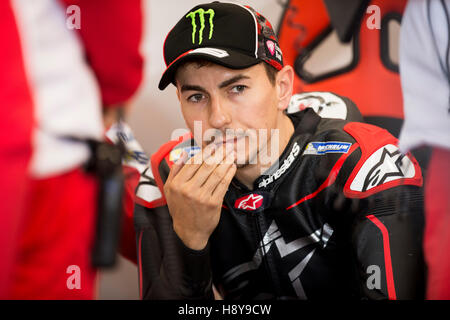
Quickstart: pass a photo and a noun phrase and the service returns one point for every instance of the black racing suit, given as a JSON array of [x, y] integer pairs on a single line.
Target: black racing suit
[[339, 216]]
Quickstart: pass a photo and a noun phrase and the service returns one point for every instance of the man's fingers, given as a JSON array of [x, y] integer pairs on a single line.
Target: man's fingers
[[209, 167], [177, 166], [205, 153], [194, 163], [220, 153], [218, 174], [222, 185]]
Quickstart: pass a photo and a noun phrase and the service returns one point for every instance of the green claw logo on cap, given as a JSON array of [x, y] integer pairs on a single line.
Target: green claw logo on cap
[[201, 12]]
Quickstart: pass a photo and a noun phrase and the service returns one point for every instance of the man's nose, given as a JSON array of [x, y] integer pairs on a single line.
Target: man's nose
[[219, 115]]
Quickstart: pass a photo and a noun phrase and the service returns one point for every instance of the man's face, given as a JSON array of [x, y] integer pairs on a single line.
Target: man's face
[[231, 105]]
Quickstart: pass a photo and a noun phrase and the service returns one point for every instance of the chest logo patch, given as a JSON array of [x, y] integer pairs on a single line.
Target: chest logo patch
[[319, 148], [250, 202]]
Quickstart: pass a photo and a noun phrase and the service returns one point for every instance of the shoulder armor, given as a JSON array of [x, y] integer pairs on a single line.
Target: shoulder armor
[[382, 165], [326, 105]]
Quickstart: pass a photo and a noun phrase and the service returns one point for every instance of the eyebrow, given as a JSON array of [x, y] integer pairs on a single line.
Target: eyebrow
[[226, 83], [236, 78], [188, 87]]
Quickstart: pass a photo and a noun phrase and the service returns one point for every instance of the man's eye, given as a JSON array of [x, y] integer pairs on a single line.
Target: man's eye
[[195, 98], [238, 89]]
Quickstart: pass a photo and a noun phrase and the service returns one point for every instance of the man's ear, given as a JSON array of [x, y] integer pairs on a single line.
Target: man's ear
[[284, 83]]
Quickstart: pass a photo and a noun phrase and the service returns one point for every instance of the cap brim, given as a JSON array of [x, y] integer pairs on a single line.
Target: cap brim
[[234, 60]]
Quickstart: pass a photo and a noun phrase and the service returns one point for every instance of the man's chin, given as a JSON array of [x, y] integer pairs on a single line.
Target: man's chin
[[249, 160]]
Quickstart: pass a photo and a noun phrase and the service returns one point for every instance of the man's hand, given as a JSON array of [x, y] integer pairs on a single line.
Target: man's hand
[[194, 192]]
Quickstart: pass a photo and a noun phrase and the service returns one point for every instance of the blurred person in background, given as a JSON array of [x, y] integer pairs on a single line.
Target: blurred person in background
[[55, 83], [425, 78]]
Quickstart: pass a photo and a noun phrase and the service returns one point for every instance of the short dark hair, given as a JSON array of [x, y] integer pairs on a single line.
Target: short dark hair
[[270, 71]]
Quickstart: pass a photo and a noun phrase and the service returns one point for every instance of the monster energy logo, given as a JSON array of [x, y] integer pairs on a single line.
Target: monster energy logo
[[201, 14]]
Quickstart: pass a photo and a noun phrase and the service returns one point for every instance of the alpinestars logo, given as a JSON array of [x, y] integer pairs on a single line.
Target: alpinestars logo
[[251, 202], [286, 164], [384, 169], [384, 165], [201, 13]]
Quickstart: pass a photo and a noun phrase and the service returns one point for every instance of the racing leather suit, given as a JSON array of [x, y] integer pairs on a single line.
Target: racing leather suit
[[339, 216]]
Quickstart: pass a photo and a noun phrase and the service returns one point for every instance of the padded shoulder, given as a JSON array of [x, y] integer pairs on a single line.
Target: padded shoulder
[[326, 105], [382, 165]]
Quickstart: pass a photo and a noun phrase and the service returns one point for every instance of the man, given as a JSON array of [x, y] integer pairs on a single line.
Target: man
[[333, 212], [424, 65], [50, 92]]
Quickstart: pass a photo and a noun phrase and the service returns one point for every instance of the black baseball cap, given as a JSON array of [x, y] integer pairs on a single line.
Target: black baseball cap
[[228, 34]]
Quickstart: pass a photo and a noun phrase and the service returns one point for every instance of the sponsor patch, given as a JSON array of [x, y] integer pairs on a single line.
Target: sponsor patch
[[319, 148], [176, 153], [201, 13], [273, 49], [250, 202], [271, 46], [286, 164]]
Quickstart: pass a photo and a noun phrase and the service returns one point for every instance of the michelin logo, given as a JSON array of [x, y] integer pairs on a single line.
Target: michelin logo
[[319, 148]]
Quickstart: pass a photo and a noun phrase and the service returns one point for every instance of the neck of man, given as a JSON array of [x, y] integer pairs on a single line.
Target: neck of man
[[249, 173]]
